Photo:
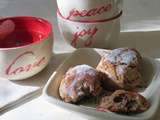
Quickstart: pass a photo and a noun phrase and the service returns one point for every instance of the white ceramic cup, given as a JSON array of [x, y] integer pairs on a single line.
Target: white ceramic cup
[[25, 46], [89, 9], [89, 34]]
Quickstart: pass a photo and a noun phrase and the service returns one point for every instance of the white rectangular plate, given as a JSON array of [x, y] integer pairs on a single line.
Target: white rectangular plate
[[89, 56]]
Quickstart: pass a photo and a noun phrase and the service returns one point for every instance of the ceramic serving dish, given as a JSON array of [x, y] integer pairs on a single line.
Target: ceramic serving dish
[[150, 73]]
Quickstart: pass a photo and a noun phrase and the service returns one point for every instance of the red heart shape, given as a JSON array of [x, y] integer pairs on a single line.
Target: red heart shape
[[6, 28]]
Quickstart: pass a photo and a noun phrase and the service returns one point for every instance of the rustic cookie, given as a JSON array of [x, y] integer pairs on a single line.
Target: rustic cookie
[[79, 82], [122, 66], [124, 102]]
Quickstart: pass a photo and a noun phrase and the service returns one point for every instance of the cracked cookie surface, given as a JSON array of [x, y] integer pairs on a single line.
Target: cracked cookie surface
[[79, 82], [122, 66], [122, 101]]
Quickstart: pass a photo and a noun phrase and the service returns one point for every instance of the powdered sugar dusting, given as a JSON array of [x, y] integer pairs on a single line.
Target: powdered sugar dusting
[[84, 69], [121, 55], [80, 84], [128, 56], [112, 56]]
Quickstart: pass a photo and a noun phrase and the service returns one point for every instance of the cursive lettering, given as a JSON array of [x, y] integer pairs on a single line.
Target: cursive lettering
[[87, 13], [11, 70], [79, 34]]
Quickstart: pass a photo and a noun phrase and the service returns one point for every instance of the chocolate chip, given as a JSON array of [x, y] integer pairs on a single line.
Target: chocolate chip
[[118, 99]]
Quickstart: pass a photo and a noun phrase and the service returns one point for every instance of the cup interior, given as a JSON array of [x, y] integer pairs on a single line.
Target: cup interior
[[22, 31]]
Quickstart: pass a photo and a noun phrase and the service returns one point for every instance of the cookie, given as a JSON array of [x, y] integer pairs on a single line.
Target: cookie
[[122, 66], [124, 102], [79, 82]]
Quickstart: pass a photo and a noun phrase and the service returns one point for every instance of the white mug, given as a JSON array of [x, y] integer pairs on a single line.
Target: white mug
[[89, 10], [89, 34], [25, 46]]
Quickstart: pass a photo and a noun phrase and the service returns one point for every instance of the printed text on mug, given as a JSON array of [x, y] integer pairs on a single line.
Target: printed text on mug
[[12, 70], [90, 32], [88, 13]]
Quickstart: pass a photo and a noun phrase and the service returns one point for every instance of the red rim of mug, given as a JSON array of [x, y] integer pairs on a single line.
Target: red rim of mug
[[25, 19], [93, 21]]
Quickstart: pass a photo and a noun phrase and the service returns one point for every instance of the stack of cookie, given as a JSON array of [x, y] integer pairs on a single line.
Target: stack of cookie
[[117, 73]]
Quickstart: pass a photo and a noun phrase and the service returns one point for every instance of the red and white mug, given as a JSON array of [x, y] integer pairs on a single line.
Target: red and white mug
[[95, 34], [89, 10], [25, 46]]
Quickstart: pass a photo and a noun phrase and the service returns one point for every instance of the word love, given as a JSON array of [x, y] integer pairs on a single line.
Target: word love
[[87, 13], [82, 33], [13, 70]]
